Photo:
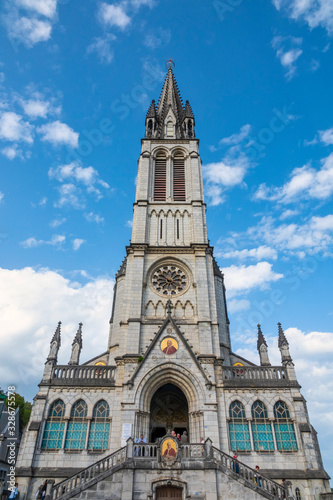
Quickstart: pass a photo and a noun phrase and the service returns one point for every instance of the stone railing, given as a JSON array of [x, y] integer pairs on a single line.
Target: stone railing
[[147, 450], [255, 376], [82, 375], [89, 476], [193, 451], [250, 476]]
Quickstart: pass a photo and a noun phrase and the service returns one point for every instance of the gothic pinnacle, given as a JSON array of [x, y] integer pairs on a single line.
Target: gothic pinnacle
[[282, 338], [57, 334], [78, 336], [261, 338]]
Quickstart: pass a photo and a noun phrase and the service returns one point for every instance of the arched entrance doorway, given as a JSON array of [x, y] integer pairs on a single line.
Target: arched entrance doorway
[[168, 410], [165, 492]]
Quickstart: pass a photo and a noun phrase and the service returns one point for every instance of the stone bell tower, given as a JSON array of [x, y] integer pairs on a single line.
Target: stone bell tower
[[169, 256]]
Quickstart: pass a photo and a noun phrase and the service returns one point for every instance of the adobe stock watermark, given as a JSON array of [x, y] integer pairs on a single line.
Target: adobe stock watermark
[[225, 7], [276, 297], [122, 107], [266, 135]]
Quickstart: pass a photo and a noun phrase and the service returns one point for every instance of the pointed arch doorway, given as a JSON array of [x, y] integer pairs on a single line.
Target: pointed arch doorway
[[168, 410]]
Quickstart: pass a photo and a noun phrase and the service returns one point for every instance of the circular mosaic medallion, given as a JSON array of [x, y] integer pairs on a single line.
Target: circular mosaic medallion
[[169, 280]]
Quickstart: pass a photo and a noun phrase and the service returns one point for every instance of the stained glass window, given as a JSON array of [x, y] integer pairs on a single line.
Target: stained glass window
[[77, 427], [238, 428], [261, 428], [284, 428], [99, 427], [54, 427]]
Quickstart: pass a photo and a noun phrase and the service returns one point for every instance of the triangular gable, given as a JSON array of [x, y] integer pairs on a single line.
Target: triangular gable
[[169, 320]]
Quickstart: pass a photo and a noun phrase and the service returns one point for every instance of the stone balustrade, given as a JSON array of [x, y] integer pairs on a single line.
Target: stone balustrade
[[255, 376], [83, 375]]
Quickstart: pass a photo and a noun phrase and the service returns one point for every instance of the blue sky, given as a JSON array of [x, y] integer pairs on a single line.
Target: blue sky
[[76, 79]]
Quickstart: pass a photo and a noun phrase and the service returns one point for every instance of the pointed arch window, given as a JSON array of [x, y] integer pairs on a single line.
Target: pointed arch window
[[238, 428], [160, 178], [54, 427], [261, 428], [179, 178], [284, 428], [298, 494], [99, 427], [77, 427]]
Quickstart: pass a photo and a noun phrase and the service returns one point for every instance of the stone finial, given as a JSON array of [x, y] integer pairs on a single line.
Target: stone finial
[[282, 338], [55, 344], [262, 348], [284, 348], [261, 339], [151, 113], [76, 347]]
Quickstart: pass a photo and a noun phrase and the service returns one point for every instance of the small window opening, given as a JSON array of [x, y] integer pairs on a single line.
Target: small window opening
[[161, 229], [177, 229]]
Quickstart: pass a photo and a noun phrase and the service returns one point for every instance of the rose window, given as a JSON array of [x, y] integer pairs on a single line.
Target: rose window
[[169, 280]]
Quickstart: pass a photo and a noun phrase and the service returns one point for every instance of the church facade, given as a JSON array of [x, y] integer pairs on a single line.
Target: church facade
[[103, 429]]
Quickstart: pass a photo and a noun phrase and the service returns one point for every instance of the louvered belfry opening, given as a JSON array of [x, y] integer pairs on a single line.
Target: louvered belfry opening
[[160, 178], [179, 178]]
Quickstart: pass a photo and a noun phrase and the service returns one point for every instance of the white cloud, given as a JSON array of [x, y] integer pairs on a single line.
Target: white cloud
[[305, 182], [56, 240], [77, 242], [326, 136], [102, 47], [241, 279], [227, 173], [288, 213], [313, 12], [1, 196], [35, 108], [70, 195], [13, 128], [58, 222], [236, 305], [2, 76], [288, 51], [262, 252], [38, 299], [28, 30], [91, 217], [46, 8], [237, 138], [114, 15], [12, 152], [59, 133], [159, 39], [87, 176], [315, 235]]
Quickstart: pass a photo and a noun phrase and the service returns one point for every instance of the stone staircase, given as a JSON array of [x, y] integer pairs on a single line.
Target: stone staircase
[[139, 456]]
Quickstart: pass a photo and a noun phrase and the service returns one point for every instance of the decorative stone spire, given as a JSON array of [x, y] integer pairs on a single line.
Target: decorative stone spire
[[284, 348], [55, 344], [170, 119], [76, 347], [262, 348], [52, 358]]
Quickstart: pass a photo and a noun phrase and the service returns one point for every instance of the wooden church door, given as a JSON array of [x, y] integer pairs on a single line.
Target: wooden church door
[[166, 492]]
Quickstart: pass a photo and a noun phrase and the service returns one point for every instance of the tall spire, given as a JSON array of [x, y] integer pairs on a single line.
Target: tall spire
[[170, 119], [262, 348], [76, 347]]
